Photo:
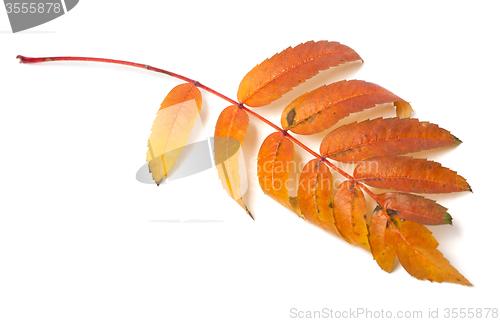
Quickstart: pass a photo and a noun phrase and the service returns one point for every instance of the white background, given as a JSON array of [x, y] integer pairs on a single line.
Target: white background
[[82, 240]]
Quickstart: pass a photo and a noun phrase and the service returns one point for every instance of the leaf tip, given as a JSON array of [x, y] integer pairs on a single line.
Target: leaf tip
[[463, 281], [385, 267], [242, 204], [249, 213], [403, 109], [448, 219]]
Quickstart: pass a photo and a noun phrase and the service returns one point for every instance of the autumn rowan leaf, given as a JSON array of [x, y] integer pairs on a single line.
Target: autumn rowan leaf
[[409, 175], [277, 75], [230, 132], [396, 226], [315, 195], [414, 246], [273, 168], [170, 130], [349, 210], [415, 208], [383, 137], [323, 107]]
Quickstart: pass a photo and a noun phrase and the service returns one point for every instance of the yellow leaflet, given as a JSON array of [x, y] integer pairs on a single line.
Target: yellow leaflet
[[171, 128]]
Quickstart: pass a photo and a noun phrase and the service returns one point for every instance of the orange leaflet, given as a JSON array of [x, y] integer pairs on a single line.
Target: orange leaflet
[[230, 132], [415, 208], [171, 127], [315, 195], [273, 168], [414, 246], [349, 210], [383, 240], [409, 175], [320, 109], [277, 75], [379, 137]]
